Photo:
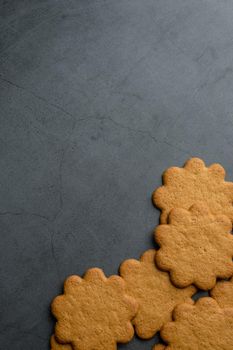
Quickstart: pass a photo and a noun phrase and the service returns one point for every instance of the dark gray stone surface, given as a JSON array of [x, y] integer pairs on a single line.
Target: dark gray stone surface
[[97, 98]]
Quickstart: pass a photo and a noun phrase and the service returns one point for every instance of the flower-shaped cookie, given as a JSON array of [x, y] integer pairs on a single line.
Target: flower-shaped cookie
[[154, 292], [223, 293], [54, 345], [196, 247], [94, 312], [194, 182], [203, 326]]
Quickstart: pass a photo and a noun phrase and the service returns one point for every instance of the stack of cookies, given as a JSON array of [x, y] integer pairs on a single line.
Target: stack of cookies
[[154, 294]]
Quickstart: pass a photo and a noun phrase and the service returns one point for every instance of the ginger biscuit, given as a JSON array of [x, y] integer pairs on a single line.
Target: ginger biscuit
[[159, 347], [182, 187], [94, 312], [203, 325], [223, 293], [196, 247], [153, 290]]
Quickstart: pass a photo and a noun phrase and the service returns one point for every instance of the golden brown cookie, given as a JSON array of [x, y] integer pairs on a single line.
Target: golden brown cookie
[[159, 347], [194, 182], [54, 345], [196, 247], [203, 326], [154, 292], [94, 312], [223, 293]]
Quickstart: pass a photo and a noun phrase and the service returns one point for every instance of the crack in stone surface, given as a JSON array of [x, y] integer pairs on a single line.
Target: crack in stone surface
[[23, 213], [36, 96], [54, 255], [67, 141]]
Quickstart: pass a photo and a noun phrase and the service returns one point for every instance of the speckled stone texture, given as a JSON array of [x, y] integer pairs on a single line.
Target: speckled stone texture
[[97, 99]]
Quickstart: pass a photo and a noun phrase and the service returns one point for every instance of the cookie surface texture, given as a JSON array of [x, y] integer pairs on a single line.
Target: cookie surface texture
[[192, 183], [223, 293], [196, 247], [201, 326], [154, 292], [94, 312], [54, 345]]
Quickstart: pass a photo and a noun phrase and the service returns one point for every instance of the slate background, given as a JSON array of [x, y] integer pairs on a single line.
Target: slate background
[[97, 98]]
